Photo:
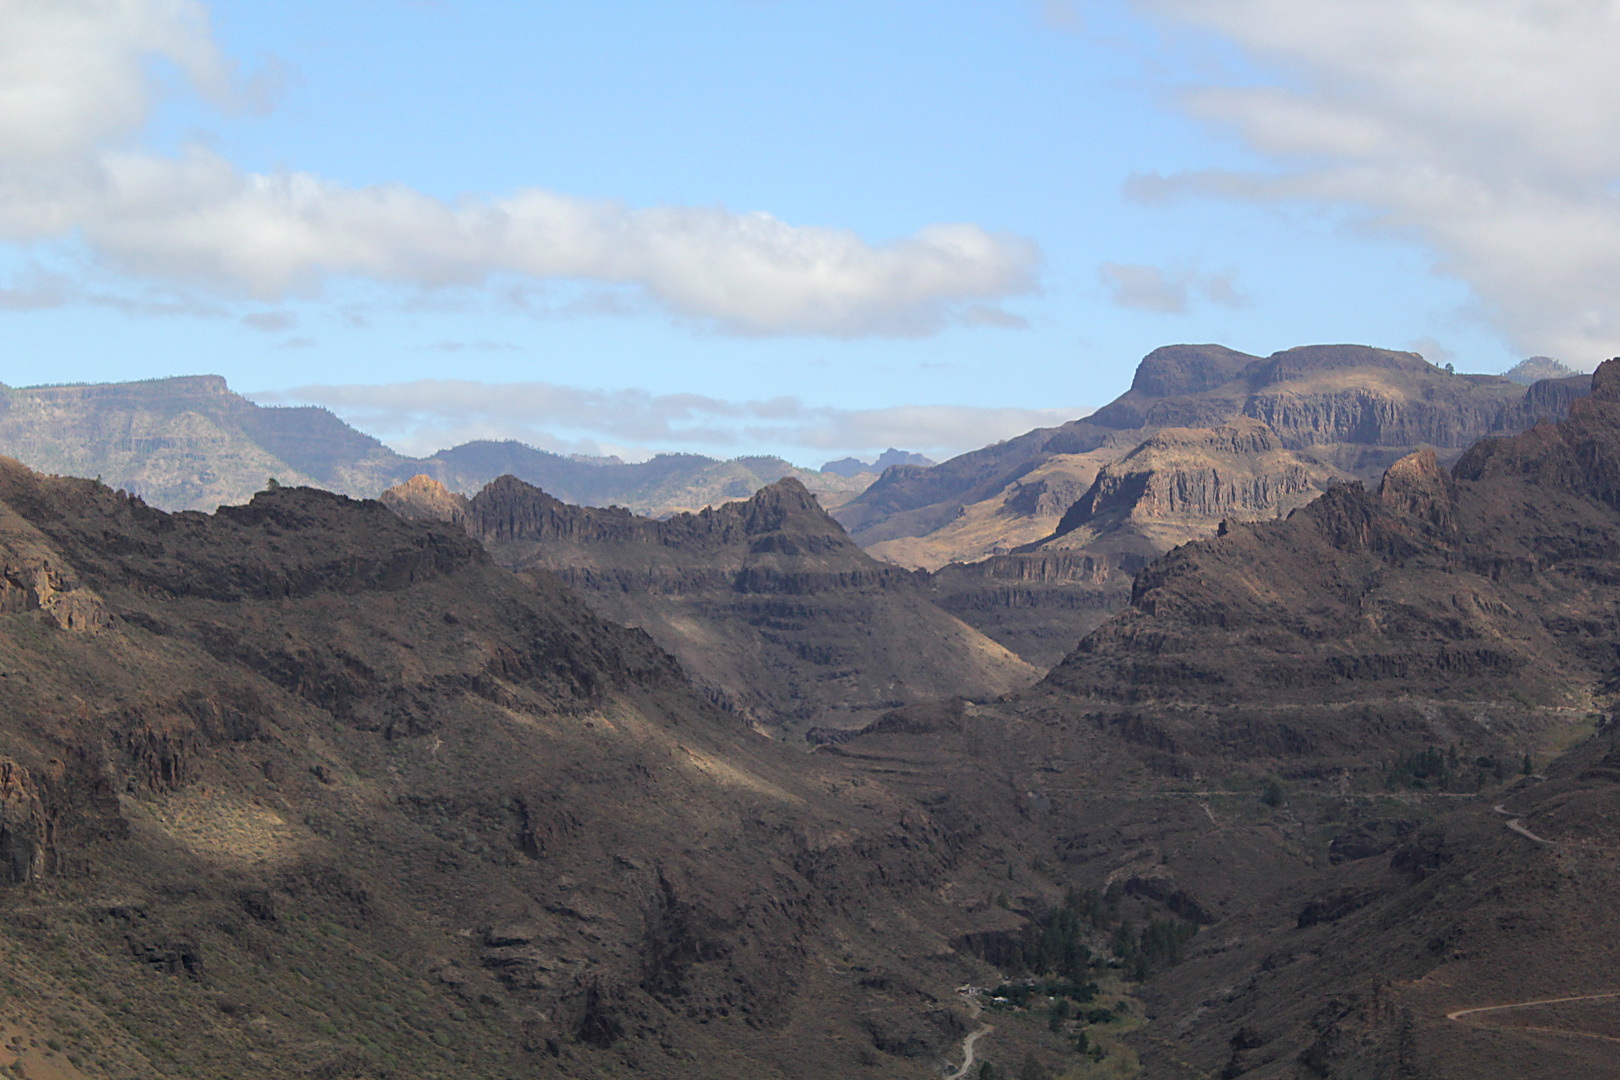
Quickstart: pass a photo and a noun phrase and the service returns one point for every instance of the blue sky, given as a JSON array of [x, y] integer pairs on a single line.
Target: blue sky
[[803, 228]]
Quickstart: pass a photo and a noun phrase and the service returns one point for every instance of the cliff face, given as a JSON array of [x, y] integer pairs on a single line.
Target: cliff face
[[1447, 583], [1178, 485], [766, 601], [1190, 477]]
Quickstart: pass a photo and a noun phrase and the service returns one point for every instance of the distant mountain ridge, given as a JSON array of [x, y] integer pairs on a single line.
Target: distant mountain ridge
[[190, 443], [1535, 368], [854, 466]]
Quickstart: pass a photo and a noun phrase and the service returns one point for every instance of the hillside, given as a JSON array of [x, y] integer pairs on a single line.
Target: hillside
[[191, 444], [1368, 748], [304, 789], [766, 602]]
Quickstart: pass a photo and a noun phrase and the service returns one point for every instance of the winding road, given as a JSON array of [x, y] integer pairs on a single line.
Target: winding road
[[967, 1052], [1458, 1014], [1517, 825]]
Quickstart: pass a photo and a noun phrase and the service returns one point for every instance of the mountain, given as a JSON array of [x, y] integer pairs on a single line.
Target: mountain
[[852, 466], [766, 602], [1034, 541], [301, 788], [191, 444], [1536, 368], [1178, 485], [1353, 408], [1367, 750]]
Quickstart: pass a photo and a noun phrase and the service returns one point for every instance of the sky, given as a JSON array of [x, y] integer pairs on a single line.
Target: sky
[[804, 228]]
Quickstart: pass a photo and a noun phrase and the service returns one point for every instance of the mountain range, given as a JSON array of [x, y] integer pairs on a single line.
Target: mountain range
[[191, 444], [1035, 540], [312, 786], [767, 603]]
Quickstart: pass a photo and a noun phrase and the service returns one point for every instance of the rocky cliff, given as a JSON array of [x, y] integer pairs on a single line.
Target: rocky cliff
[[1180, 484]]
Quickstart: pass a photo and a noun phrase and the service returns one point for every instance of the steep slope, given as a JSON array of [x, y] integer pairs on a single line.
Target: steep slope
[[305, 789], [190, 443], [766, 602], [1313, 737]]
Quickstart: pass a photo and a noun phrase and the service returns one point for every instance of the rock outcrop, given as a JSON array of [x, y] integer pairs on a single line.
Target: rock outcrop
[[22, 826], [422, 498]]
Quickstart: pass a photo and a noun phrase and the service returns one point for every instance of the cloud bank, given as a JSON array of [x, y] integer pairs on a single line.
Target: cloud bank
[[425, 415], [1486, 129], [77, 90]]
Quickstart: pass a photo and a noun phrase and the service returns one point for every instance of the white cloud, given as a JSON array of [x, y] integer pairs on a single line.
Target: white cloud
[[1485, 128], [76, 91], [1150, 288], [429, 414]]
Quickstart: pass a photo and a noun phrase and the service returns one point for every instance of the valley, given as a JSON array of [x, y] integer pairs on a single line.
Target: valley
[[1323, 785]]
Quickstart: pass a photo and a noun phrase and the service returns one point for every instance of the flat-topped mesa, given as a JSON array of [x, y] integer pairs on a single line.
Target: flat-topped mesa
[[179, 386], [1311, 361], [422, 498]]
